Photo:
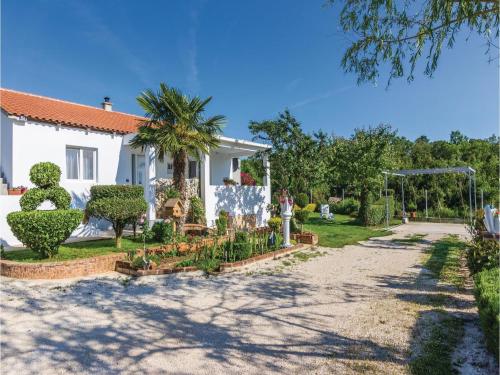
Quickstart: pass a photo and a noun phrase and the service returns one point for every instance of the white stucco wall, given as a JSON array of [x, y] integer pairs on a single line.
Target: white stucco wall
[[220, 168], [6, 146], [238, 200], [36, 142]]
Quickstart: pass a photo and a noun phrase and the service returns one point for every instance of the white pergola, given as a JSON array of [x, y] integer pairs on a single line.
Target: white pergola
[[469, 171]]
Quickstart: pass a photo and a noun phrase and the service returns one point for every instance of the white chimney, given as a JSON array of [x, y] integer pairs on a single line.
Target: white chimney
[[106, 104]]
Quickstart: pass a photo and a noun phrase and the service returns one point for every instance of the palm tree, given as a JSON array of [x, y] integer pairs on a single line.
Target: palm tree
[[176, 126]]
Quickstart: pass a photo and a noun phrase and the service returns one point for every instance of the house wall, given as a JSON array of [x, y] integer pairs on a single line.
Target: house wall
[[238, 200], [220, 168], [6, 146], [36, 142]]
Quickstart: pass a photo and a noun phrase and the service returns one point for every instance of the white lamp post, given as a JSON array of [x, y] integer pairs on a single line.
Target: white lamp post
[[286, 203]]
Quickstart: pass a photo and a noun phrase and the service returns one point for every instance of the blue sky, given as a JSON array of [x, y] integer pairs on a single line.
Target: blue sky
[[255, 58]]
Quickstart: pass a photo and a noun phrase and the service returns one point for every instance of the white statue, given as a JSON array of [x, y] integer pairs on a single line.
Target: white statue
[[491, 220], [286, 204]]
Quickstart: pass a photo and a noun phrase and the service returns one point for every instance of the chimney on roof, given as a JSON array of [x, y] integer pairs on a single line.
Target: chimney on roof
[[106, 104]]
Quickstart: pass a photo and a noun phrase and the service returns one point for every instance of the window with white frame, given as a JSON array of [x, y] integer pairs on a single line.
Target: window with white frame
[[81, 163]]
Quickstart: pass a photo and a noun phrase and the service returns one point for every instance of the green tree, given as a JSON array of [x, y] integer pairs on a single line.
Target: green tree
[[361, 159], [295, 163], [176, 126], [399, 33]]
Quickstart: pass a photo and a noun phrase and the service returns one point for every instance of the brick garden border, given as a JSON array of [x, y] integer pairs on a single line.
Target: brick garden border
[[60, 270]]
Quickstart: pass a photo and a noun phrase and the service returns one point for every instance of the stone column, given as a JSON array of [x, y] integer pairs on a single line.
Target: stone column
[[286, 215], [267, 187], [150, 184]]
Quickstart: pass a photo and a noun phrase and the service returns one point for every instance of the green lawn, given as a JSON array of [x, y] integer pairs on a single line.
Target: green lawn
[[344, 230], [77, 250]]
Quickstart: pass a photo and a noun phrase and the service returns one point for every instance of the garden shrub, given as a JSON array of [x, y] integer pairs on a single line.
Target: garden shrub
[[487, 292], [302, 215], [163, 231], [147, 234], [196, 213], [45, 174], [302, 200], [274, 223], [311, 207], [375, 214], [118, 204], [221, 223], [34, 197], [347, 206], [293, 226], [481, 253], [43, 231], [241, 247]]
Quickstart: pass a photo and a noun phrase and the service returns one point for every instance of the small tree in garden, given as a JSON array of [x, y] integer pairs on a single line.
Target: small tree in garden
[[119, 204], [44, 230], [221, 223], [301, 216], [302, 200]]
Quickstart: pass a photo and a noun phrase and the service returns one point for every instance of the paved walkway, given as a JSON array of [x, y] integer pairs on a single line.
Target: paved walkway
[[341, 311]]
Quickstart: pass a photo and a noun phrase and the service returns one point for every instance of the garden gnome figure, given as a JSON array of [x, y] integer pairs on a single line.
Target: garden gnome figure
[[286, 203]]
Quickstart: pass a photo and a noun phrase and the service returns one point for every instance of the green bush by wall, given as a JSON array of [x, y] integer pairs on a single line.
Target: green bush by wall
[[44, 230]]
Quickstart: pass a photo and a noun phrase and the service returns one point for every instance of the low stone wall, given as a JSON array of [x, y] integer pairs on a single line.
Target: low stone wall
[[307, 238], [60, 270]]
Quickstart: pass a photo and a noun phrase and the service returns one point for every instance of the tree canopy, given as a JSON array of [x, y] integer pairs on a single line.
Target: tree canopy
[[399, 33]]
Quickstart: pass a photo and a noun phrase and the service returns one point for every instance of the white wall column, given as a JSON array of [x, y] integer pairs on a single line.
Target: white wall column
[[205, 183], [150, 184], [267, 186]]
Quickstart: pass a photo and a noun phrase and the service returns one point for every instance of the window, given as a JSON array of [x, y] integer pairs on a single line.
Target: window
[[192, 169], [81, 163], [236, 164], [170, 167]]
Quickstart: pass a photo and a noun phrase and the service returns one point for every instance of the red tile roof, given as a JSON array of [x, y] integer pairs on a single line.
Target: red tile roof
[[43, 109]]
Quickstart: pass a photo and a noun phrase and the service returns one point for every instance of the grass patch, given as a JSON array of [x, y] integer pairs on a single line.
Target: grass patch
[[444, 260], [410, 239], [344, 230], [77, 250], [303, 257], [435, 355]]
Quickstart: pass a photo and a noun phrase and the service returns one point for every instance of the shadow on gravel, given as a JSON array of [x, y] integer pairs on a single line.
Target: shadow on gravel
[[115, 328]]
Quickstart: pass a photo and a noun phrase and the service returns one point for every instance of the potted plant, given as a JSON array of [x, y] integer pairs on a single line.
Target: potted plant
[[19, 190], [412, 207]]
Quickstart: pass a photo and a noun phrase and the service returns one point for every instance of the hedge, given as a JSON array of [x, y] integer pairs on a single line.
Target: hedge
[[44, 231], [487, 292]]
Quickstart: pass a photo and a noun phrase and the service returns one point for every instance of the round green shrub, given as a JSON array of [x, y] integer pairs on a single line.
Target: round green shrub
[[34, 197], [118, 204], [44, 231], [274, 223], [45, 174], [302, 200], [163, 231], [302, 216]]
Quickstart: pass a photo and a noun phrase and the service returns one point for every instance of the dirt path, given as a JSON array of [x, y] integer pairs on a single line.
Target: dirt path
[[324, 311]]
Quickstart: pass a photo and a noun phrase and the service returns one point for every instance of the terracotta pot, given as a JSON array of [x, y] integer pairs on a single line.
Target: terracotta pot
[[413, 214], [15, 192]]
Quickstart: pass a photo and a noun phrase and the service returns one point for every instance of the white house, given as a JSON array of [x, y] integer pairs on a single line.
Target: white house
[[91, 145]]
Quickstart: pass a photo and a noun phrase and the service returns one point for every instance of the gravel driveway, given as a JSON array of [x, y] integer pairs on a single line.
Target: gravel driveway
[[339, 311]]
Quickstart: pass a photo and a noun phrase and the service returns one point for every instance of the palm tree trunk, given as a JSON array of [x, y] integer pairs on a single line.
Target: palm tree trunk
[[180, 159]]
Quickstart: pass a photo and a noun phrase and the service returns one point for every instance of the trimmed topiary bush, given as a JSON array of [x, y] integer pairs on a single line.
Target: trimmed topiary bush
[[302, 200], [375, 214], [34, 197], [347, 206], [301, 217], [45, 230], [45, 174], [118, 204]]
